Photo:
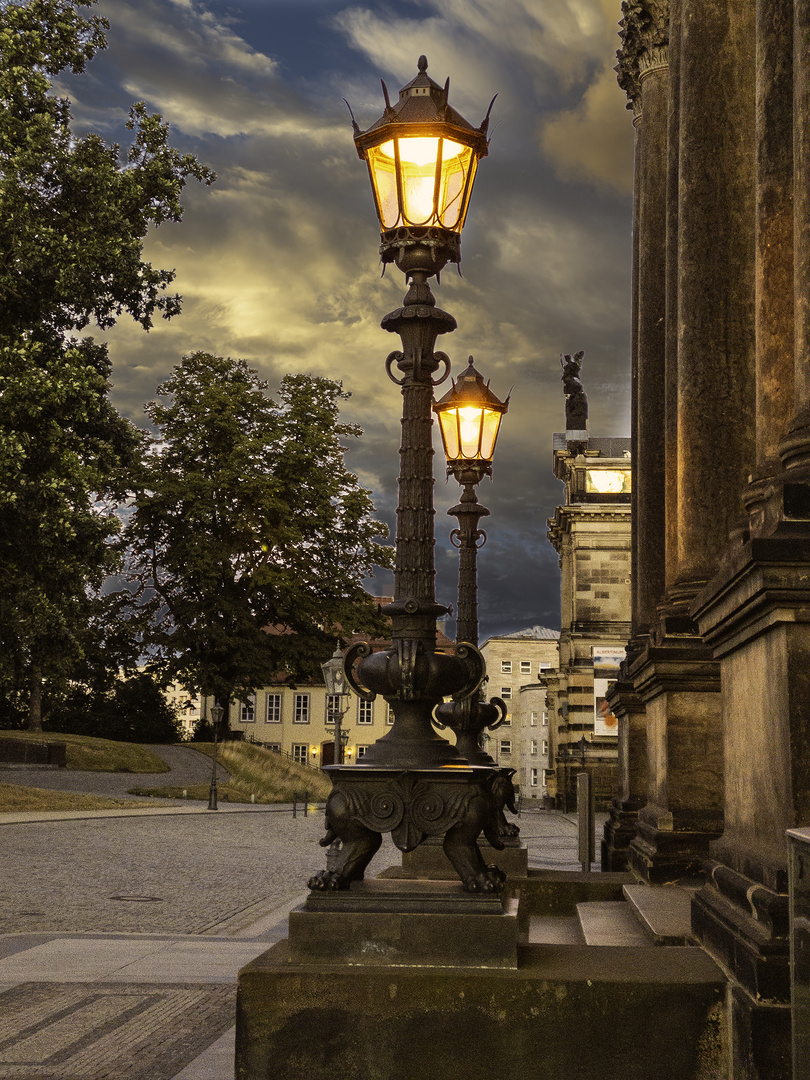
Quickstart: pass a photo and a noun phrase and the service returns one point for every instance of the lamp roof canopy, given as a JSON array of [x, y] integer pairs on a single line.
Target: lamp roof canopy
[[471, 387], [424, 103]]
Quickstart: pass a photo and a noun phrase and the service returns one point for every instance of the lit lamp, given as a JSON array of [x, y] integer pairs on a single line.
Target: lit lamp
[[422, 158], [469, 417], [216, 717]]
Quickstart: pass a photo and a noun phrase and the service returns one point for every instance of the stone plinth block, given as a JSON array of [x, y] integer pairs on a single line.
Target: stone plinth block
[[572, 1011], [396, 923]]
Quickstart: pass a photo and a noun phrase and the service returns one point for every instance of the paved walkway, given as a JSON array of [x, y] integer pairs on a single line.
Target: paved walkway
[[122, 932]]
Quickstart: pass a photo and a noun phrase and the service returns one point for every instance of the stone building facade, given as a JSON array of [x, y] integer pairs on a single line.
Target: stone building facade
[[713, 699], [516, 666], [590, 531]]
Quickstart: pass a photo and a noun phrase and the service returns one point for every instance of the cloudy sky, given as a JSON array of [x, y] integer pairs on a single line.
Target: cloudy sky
[[278, 262]]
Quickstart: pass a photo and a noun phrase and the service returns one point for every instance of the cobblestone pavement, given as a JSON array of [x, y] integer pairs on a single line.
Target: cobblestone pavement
[[188, 766]]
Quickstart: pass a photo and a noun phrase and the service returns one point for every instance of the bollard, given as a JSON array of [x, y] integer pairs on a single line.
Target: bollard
[[306, 803], [586, 820], [295, 808]]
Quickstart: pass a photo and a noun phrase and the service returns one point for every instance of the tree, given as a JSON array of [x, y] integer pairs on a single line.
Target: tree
[[249, 532], [133, 710], [73, 217]]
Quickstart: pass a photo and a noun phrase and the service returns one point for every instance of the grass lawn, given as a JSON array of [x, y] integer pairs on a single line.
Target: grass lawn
[[14, 797], [97, 755], [254, 771]]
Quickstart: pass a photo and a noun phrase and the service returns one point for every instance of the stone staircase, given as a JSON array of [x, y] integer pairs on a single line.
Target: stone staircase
[[646, 916]]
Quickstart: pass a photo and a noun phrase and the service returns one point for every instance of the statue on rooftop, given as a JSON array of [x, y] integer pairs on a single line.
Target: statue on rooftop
[[576, 400]]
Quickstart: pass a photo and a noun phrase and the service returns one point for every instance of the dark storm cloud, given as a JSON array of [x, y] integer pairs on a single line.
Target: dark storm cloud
[[278, 262]]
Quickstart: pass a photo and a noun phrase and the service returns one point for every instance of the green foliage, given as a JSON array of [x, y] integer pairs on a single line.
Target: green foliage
[[134, 711], [249, 531], [73, 216]]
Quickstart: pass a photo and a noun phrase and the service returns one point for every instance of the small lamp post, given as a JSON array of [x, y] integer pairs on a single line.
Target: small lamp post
[[335, 682], [469, 417], [216, 716]]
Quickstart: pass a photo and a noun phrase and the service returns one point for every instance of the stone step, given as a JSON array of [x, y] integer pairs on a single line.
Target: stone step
[[664, 911], [610, 922], [555, 930]]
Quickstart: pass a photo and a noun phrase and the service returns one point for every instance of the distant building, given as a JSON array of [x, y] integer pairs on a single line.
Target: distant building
[[590, 531], [515, 665]]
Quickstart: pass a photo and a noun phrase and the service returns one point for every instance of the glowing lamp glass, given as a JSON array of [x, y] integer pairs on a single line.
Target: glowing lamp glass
[[421, 181], [469, 432]]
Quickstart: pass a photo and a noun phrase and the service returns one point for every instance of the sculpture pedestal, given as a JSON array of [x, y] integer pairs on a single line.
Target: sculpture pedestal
[[405, 924]]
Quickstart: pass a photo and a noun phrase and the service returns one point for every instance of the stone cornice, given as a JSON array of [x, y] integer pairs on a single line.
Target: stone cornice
[[644, 30]]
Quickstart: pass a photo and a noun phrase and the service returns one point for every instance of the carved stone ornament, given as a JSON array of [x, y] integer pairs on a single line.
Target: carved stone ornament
[[412, 805], [644, 30]]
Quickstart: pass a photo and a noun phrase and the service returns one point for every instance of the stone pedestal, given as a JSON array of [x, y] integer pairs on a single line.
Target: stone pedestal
[[756, 616], [405, 923], [678, 681], [572, 1011]]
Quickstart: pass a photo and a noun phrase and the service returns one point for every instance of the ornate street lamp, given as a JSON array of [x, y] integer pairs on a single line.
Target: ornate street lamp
[[216, 717], [335, 682], [469, 419], [422, 158]]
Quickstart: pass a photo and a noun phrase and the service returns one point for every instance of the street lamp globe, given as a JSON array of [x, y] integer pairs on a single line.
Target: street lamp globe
[[333, 677], [469, 418], [422, 157]]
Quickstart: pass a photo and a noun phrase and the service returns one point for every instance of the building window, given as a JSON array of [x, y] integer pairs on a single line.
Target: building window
[[300, 752], [545, 719], [332, 707], [506, 746], [533, 720], [274, 746], [525, 667], [533, 775], [301, 709], [534, 746], [389, 714], [506, 693], [247, 712], [365, 712], [545, 747], [273, 709], [361, 751], [506, 667]]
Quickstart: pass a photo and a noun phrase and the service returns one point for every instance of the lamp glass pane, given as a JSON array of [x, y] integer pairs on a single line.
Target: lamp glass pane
[[382, 167], [469, 422], [417, 164], [457, 163], [489, 433], [448, 424]]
